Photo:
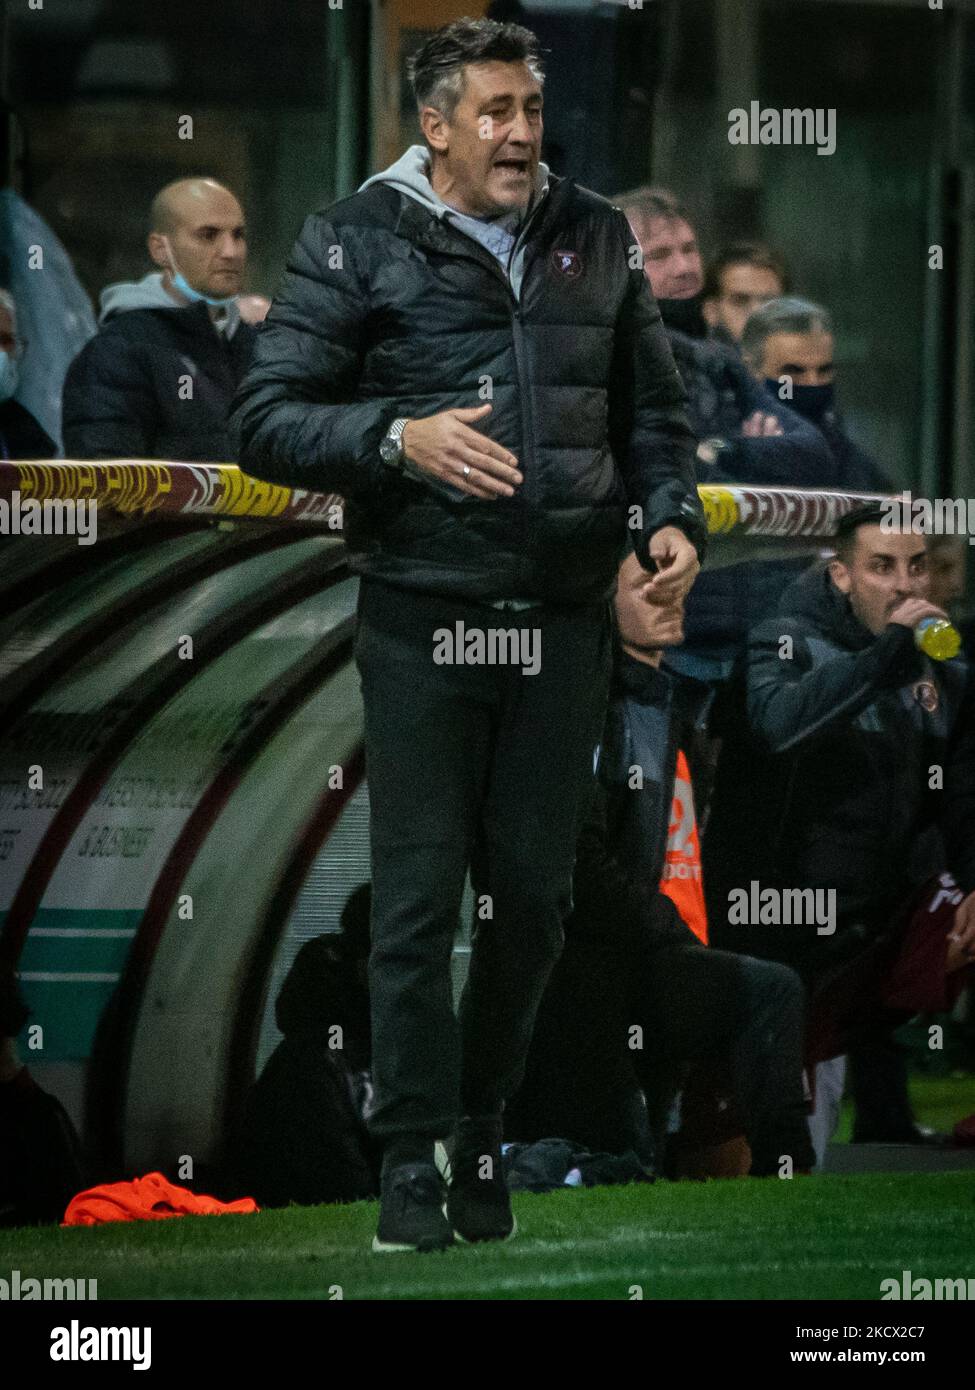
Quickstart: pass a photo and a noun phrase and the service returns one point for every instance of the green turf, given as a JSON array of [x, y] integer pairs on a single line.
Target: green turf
[[938, 1101], [820, 1237]]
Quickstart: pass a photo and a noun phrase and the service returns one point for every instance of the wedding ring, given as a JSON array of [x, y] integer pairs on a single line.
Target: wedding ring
[[467, 470]]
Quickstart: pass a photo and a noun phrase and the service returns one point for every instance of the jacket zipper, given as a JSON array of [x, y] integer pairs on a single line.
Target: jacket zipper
[[517, 332]]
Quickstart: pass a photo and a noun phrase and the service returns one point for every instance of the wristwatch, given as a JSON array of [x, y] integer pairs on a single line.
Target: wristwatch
[[391, 445]]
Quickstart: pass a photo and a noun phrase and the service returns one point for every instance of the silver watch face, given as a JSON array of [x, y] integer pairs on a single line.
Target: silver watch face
[[389, 449]]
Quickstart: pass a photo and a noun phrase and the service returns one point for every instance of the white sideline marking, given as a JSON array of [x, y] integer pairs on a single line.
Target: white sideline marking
[[100, 932], [587, 1276], [79, 976]]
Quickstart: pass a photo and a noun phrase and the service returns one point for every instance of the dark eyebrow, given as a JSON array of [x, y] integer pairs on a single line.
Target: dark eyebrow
[[880, 555], [507, 96]]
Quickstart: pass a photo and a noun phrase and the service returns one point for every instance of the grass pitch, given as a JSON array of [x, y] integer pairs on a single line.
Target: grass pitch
[[819, 1237]]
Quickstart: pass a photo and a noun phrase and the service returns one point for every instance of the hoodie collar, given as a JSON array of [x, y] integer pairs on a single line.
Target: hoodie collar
[[150, 293], [411, 175], [814, 596]]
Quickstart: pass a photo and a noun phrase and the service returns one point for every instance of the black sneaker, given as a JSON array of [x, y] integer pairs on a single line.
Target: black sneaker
[[411, 1211], [478, 1204]]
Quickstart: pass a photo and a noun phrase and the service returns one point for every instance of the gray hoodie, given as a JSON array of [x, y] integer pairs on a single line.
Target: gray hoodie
[[149, 293], [499, 234]]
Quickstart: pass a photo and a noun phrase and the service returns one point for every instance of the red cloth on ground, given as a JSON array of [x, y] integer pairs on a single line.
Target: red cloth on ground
[[146, 1199]]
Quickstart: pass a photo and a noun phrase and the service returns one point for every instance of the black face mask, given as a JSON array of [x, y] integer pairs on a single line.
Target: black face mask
[[813, 403], [684, 315]]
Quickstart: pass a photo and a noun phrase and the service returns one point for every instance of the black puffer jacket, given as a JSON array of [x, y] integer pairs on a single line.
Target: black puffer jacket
[[825, 770], [622, 845], [387, 311], [126, 394], [21, 437]]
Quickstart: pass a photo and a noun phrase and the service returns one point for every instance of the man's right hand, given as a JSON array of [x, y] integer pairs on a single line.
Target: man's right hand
[[442, 444], [913, 610]]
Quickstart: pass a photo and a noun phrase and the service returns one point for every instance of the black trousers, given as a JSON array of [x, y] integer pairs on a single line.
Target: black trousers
[[470, 766], [740, 1023], [618, 1021]]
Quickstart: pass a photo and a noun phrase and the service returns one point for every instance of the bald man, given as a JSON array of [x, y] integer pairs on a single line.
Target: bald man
[[157, 379]]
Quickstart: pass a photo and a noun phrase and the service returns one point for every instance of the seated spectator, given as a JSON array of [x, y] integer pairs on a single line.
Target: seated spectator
[[21, 437], [746, 435], [41, 1164], [303, 1136], [637, 996], [847, 775], [946, 572], [740, 279], [157, 380], [788, 344], [947, 557]]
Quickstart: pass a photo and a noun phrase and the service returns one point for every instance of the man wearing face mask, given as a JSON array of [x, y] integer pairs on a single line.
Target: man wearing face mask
[[788, 344], [21, 437], [747, 435], [157, 379]]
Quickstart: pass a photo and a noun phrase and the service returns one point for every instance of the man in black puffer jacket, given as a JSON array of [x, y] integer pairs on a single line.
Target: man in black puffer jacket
[[467, 274], [847, 776], [157, 379]]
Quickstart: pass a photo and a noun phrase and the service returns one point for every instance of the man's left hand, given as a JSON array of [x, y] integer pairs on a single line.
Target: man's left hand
[[677, 562]]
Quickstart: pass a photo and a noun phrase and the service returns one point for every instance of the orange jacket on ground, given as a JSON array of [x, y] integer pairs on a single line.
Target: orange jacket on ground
[[151, 1198]]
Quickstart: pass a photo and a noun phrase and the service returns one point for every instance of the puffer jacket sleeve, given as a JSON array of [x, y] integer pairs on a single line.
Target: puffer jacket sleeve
[[108, 403], [295, 414], [790, 702], [798, 457], [650, 434]]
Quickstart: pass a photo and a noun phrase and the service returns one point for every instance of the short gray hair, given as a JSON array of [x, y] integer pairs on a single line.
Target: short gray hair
[[7, 302], [785, 315], [436, 70]]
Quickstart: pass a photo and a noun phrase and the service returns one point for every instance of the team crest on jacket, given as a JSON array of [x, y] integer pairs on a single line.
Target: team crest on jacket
[[567, 263], [926, 694]]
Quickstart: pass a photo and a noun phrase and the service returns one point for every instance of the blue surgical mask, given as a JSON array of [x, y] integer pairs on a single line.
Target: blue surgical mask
[[180, 283], [9, 376]]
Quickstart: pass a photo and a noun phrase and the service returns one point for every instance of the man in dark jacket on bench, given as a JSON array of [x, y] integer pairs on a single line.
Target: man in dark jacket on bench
[[637, 999], [157, 379], [841, 837]]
